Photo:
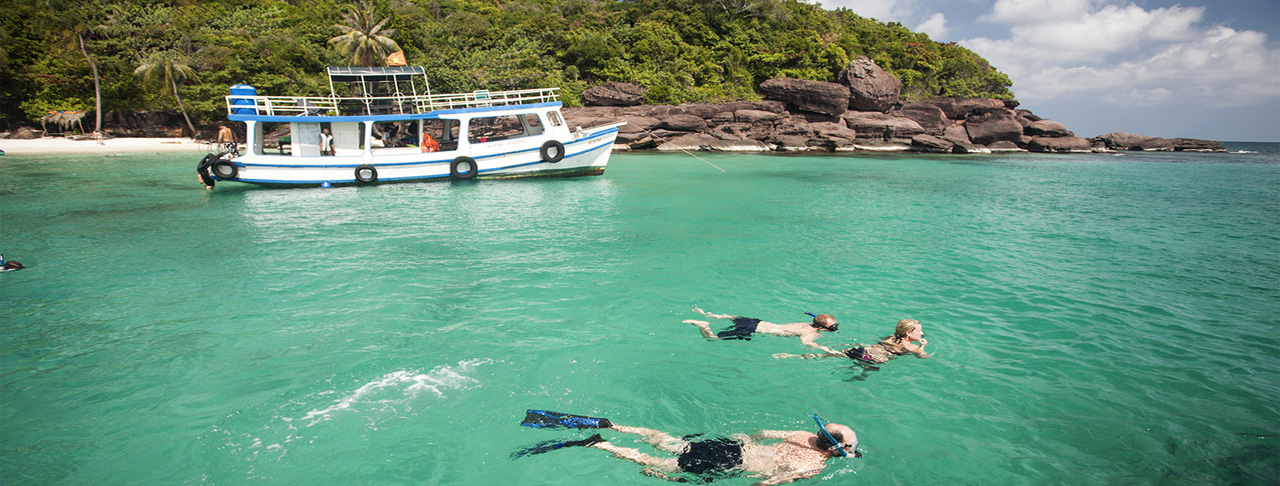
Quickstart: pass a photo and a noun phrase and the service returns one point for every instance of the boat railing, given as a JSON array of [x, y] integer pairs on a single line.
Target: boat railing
[[383, 105]]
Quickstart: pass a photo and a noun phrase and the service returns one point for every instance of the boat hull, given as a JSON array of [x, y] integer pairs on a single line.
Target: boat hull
[[586, 155]]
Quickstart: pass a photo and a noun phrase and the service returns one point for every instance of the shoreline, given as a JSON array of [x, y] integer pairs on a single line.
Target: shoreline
[[58, 145]]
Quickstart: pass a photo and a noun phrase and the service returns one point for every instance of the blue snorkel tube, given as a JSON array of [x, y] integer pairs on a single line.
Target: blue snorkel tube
[[823, 428]]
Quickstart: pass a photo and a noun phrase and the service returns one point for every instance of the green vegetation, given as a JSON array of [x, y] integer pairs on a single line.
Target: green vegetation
[[681, 50]]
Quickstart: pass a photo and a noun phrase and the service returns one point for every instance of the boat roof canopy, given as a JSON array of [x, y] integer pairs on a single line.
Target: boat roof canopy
[[374, 74]]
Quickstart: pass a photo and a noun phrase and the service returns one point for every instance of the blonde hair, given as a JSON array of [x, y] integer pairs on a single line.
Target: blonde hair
[[905, 327]]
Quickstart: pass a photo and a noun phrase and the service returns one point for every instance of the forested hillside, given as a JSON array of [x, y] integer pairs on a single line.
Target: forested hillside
[[158, 55]]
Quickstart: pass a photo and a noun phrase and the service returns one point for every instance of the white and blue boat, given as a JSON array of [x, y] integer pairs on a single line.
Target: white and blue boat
[[381, 128]]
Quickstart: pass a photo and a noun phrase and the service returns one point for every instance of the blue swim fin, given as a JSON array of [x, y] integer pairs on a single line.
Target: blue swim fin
[[551, 445], [546, 419]]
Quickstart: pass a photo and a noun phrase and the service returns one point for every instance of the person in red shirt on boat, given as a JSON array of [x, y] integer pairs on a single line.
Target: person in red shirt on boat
[[429, 144]]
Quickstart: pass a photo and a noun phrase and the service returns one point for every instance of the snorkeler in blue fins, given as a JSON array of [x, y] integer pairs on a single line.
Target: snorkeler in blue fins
[[797, 454], [546, 419]]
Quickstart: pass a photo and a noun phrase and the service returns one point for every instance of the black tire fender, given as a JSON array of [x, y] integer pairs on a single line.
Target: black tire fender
[[203, 169], [225, 169], [552, 151], [471, 168], [367, 174]]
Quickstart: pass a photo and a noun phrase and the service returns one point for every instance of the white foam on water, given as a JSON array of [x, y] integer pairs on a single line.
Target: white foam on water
[[392, 392], [399, 388]]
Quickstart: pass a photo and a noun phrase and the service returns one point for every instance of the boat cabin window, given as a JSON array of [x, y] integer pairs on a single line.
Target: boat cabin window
[[303, 139], [506, 127], [403, 133], [445, 132], [532, 124], [554, 117]]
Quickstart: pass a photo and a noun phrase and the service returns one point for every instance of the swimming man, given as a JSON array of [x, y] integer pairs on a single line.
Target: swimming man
[[743, 327], [796, 454]]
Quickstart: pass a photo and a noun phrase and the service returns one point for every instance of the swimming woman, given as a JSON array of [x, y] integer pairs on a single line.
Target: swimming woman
[[901, 343]]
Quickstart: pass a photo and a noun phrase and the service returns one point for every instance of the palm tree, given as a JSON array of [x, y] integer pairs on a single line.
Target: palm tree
[[363, 38], [167, 68]]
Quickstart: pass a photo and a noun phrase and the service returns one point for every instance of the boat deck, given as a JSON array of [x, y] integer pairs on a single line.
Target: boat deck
[[382, 105]]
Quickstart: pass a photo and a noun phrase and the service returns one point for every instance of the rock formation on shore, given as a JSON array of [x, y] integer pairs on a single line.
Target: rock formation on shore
[[863, 111]]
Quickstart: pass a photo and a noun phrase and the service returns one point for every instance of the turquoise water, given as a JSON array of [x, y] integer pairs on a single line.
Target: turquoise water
[[1096, 319]]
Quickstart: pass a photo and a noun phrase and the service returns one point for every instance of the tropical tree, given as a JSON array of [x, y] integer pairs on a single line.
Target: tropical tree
[[166, 68], [363, 38]]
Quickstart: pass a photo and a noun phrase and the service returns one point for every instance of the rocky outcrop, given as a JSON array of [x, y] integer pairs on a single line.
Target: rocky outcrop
[[870, 88], [811, 116], [163, 123], [614, 93], [805, 95]]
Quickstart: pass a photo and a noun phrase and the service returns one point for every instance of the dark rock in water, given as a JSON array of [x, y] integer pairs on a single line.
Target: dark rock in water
[[806, 95], [1130, 141], [930, 117], [1124, 140], [1060, 145], [1194, 145], [23, 133], [993, 125], [1047, 128], [870, 88], [931, 144], [614, 93]]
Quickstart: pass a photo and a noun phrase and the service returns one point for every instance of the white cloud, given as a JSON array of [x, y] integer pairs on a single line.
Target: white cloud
[[935, 27], [1063, 49], [1021, 11]]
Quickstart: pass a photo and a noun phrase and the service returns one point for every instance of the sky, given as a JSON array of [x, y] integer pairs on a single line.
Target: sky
[[1201, 69]]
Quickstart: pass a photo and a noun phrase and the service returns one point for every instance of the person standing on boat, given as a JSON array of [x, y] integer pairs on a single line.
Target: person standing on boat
[[743, 327], [326, 142], [225, 136]]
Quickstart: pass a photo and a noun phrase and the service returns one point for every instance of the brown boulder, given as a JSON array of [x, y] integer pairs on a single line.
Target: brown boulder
[[806, 95], [1047, 128], [614, 93], [870, 88], [993, 125], [931, 144], [929, 116]]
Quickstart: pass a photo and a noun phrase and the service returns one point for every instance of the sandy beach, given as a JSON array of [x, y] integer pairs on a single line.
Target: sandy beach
[[59, 145]]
